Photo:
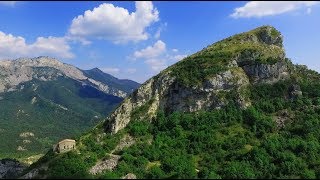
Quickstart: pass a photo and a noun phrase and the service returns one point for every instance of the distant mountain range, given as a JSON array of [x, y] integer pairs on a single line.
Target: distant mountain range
[[43, 100], [123, 85]]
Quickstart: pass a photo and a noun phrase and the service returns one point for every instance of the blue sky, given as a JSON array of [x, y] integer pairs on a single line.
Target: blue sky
[[135, 40]]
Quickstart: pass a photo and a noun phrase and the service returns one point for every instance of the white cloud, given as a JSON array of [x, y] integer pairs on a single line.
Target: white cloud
[[82, 40], [157, 56], [8, 3], [16, 46], [269, 8], [157, 64], [111, 70], [56, 46], [151, 51], [159, 30], [115, 23]]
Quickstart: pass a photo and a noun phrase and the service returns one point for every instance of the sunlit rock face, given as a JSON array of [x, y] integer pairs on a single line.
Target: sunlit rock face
[[261, 61]]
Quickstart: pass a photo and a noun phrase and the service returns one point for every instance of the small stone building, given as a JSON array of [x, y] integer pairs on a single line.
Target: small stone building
[[64, 146]]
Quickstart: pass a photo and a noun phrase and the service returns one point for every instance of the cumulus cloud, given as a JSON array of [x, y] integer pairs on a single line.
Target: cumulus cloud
[[159, 30], [157, 64], [153, 55], [269, 8], [157, 56], [16, 46], [151, 51], [115, 23]]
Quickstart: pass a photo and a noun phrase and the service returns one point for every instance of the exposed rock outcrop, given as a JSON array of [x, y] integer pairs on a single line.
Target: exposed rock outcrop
[[264, 64], [36, 173], [295, 91], [129, 176], [166, 93], [106, 164], [126, 141], [110, 162], [266, 73], [10, 168]]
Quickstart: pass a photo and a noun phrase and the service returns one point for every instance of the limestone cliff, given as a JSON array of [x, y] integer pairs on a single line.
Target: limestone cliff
[[203, 80]]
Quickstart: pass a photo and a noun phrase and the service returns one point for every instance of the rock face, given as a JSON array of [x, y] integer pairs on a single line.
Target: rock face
[[107, 164], [10, 168], [14, 72], [268, 35], [110, 162], [129, 176], [295, 91], [36, 173], [265, 73], [165, 92]]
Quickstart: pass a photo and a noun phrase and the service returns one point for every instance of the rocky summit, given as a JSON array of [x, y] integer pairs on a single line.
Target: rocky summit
[[201, 81]]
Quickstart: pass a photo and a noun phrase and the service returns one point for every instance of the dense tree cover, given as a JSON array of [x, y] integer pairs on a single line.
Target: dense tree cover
[[51, 110], [69, 166]]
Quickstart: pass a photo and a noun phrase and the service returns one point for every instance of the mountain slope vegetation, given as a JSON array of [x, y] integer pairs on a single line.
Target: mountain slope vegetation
[[256, 116], [47, 112], [43, 102]]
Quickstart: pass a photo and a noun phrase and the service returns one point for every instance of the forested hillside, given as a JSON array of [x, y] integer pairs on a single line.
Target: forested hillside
[[256, 116]]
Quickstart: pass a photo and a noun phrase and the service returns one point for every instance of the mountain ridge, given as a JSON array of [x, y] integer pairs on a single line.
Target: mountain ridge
[[23, 67], [223, 66], [106, 78]]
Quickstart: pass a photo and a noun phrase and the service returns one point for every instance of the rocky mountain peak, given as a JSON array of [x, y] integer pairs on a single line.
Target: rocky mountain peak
[[265, 34], [208, 79], [269, 35], [96, 70], [14, 72], [40, 61]]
